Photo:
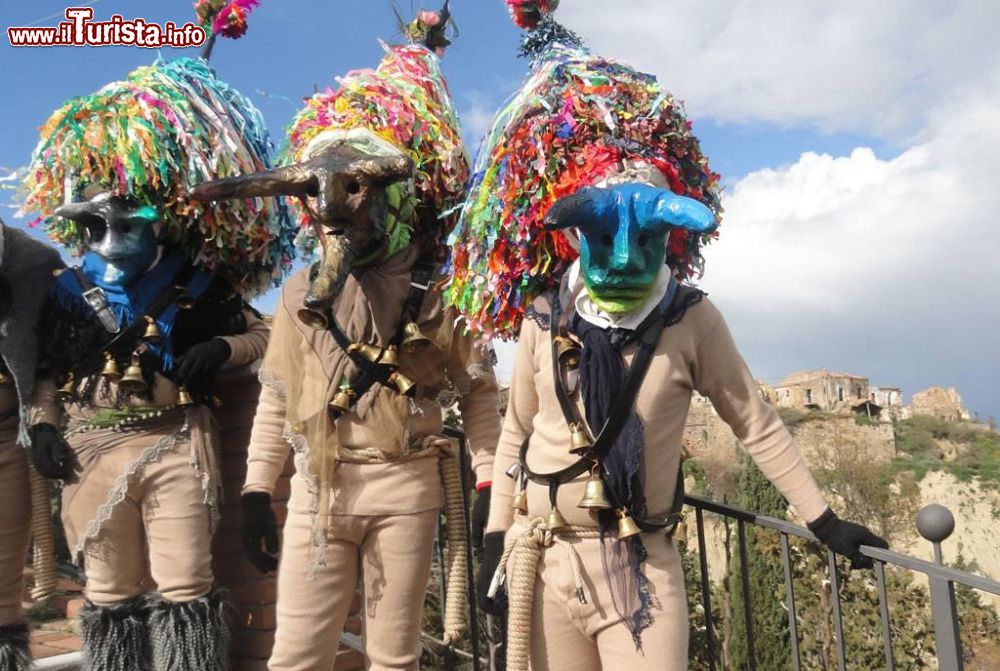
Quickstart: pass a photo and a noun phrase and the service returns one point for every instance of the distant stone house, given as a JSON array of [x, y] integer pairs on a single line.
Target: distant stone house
[[824, 390], [887, 397], [940, 402]]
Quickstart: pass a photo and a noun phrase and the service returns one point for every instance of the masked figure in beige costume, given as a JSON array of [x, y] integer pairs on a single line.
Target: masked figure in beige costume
[[362, 359], [592, 168], [26, 267], [136, 336]]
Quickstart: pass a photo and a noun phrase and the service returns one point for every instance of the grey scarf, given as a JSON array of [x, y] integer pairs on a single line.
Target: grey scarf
[[27, 265]]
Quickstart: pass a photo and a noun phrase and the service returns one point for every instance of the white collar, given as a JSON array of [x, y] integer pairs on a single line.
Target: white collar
[[573, 290]]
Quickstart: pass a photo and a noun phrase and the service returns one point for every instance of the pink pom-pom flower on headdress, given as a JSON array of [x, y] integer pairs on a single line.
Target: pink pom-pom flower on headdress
[[228, 19], [527, 14]]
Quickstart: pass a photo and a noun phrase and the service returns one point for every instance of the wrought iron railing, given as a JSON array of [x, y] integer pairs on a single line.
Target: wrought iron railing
[[935, 523]]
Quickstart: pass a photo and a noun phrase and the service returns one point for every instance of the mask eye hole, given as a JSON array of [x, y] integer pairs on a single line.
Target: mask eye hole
[[606, 240], [643, 240], [353, 187], [312, 188], [126, 228], [94, 227]]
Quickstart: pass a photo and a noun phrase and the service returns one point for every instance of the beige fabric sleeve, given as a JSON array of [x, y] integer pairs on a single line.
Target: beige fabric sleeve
[[721, 374], [522, 406], [268, 450], [479, 406], [250, 345]]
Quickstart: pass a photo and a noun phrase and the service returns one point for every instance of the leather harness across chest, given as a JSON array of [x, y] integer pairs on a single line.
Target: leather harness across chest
[[592, 453]]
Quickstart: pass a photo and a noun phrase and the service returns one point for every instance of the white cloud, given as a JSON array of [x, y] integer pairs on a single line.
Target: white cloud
[[853, 65], [887, 267], [476, 118]]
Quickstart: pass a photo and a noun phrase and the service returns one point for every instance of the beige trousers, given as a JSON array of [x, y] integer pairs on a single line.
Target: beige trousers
[[159, 537], [15, 528], [567, 635], [393, 555]]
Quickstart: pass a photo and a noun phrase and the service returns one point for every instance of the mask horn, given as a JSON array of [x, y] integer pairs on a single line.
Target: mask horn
[[76, 211], [289, 180], [670, 209], [570, 211], [387, 169]]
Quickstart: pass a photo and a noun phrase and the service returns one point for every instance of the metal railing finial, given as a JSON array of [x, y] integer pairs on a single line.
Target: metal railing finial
[[936, 523]]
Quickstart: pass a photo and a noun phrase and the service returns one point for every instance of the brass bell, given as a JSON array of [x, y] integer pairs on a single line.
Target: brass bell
[[555, 520], [184, 399], [520, 503], [370, 352], [594, 496], [390, 356], [579, 441], [66, 392], [185, 301], [342, 400], [681, 533], [110, 371], [404, 385], [567, 352], [132, 382], [152, 333], [413, 338], [313, 318], [626, 525]]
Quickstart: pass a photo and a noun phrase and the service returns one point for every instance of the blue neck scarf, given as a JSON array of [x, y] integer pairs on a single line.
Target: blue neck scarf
[[130, 302]]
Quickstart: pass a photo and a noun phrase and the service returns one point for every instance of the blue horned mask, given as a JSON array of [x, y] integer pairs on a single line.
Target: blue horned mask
[[121, 237], [623, 237]]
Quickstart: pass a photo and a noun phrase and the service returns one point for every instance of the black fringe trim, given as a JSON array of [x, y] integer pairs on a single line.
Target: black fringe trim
[[15, 653], [548, 33], [686, 298], [116, 638], [190, 636]]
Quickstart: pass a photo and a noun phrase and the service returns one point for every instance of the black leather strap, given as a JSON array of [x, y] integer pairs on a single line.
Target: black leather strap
[[373, 373], [123, 343], [648, 334]]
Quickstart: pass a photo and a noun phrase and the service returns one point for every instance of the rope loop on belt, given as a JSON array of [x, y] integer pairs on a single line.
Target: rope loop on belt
[[522, 552]]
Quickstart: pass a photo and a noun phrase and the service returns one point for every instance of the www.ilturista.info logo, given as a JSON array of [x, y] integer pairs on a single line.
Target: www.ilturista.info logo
[[80, 31]]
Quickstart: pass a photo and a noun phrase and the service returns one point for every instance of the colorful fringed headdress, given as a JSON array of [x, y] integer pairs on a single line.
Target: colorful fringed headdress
[[166, 128], [577, 121], [406, 102]]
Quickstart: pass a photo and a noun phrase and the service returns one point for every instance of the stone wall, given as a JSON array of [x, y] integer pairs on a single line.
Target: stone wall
[[940, 402]]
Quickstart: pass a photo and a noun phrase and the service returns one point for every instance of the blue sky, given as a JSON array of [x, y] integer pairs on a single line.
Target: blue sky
[[822, 118]]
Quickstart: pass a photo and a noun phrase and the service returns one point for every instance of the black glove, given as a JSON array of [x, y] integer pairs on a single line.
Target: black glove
[[492, 552], [480, 514], [198, 367], [50, 452], [846, 538], [259, 526]]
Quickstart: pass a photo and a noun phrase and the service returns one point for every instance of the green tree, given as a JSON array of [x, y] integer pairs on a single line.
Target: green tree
[[769, 619]]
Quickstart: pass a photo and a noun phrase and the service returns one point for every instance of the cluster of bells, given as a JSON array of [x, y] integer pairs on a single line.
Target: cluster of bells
[[413, 341], [594, 498], [132, 382]]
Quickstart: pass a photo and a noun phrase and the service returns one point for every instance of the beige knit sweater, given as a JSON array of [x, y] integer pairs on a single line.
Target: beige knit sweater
[[396, 476], [697, 354]]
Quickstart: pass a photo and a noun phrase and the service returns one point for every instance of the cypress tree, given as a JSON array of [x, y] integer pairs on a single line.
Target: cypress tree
[[772, 646]]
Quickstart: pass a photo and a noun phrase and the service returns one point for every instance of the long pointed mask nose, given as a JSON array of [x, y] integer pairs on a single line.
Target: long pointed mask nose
[[343, 181]]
